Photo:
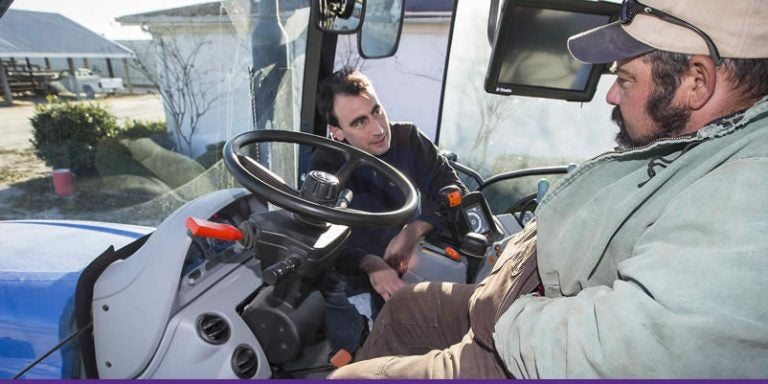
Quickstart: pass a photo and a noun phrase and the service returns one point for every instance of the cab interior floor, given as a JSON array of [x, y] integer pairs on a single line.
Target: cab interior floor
[[313, 364]]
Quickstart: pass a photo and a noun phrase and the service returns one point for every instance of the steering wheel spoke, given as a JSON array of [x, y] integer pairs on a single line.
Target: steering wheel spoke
[[261, 172], [349, 167]]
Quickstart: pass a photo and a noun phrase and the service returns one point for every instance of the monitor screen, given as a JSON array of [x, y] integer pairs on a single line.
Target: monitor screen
[[530, 55], [477, 219]]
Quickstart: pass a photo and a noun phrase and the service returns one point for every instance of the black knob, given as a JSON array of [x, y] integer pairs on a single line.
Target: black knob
[[474, 245], [321, 187]]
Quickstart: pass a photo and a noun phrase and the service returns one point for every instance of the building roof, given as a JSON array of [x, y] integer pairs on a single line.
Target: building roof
[[42, 34], [428, 10], [198, 10], [429, 6]]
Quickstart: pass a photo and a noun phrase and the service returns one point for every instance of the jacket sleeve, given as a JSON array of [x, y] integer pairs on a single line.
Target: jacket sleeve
[[325, 160], [688, 303], [432, 173]]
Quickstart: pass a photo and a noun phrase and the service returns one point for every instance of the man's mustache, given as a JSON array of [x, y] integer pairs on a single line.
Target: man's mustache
[[622, 137], [617, 117]]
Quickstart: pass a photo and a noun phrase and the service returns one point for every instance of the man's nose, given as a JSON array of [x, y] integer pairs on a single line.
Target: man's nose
[[378, 129], [612, 97]]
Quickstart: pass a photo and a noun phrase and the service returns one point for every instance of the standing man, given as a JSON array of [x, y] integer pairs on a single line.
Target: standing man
[[653, 258], [375, 257]]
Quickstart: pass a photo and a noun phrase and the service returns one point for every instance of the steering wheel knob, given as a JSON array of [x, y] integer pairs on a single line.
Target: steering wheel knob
[[321, 187]]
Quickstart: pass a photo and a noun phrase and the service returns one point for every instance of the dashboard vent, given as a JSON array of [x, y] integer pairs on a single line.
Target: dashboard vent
[[213, 328], [244, 362]]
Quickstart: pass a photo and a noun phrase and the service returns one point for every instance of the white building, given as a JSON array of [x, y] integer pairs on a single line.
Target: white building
[[409, 89]]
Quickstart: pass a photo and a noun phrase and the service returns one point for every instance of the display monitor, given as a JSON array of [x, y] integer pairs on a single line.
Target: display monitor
[[530, 54]]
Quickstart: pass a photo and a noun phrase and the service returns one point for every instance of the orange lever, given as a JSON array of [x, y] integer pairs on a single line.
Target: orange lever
[[205, 228], [452, 254], [454, 199]]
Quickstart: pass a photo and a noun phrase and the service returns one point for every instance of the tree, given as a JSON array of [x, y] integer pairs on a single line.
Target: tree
[[173, 68], [493, 112], [346, 53]]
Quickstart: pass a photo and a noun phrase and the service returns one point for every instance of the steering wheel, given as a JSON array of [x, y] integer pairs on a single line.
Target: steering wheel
[[521, 207], [261, 181]]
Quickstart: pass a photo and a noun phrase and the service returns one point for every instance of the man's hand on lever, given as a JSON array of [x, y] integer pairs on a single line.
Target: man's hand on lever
[[403, 246]]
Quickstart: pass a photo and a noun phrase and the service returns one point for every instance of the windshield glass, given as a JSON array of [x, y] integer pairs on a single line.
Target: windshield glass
[[494, 134], [118, 111]]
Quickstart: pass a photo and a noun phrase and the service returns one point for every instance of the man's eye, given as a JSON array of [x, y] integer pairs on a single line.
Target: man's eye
[[358, 123], [378, 111]]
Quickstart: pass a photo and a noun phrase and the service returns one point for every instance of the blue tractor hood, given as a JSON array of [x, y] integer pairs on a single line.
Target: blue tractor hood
[[40, 263]]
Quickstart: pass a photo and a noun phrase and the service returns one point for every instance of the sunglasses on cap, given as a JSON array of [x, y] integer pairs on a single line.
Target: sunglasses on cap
[[631, 8]]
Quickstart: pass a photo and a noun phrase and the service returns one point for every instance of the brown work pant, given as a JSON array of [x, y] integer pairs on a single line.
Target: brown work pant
[[435, 330]]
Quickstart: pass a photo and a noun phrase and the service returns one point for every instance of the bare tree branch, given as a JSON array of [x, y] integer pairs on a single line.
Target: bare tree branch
[[347, 55], [185, 92]]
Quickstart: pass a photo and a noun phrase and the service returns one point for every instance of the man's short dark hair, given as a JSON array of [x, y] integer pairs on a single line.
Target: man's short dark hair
[[750, 76], [346, 81]]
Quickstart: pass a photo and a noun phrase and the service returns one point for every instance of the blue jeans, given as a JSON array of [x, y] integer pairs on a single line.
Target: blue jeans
[[343, 323]]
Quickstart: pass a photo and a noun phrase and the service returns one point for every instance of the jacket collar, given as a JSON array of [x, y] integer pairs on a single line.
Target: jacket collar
[[735, 121]]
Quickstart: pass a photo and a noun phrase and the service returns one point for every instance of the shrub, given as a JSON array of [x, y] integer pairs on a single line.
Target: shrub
[[155, 130], [114, 158], [66, 134], [213, 153]]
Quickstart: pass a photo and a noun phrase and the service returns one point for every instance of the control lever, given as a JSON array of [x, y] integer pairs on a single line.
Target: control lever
[[541, 189], [277, 271], [328, 185], [473, 246], [450, 200], [344, 199], [210, 229]]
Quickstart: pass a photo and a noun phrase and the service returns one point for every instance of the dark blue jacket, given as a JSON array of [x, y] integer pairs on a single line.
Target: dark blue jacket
[[417, 158]]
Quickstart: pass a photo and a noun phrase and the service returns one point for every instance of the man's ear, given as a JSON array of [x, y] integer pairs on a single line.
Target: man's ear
[[699, 81], [336, 132]]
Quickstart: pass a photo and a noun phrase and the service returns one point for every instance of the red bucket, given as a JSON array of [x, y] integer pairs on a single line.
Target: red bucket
[[63, 182]]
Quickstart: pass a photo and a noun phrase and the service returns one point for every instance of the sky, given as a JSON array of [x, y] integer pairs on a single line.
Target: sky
[[99, 15]]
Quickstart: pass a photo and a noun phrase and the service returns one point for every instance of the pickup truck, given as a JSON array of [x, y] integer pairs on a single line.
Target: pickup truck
[[87, 82]]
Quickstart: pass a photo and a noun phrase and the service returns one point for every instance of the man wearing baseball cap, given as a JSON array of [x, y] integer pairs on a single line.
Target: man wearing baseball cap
[[653, 258]]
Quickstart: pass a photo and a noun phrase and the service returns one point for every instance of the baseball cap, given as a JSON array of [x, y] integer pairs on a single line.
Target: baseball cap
[[738, 28]]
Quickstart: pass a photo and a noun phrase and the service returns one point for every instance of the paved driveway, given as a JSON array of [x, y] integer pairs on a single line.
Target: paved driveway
[[16, 131]]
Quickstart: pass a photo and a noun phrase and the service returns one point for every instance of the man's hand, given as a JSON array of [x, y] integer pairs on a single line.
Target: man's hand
[[384, 279], [385, 282], [403, 246]]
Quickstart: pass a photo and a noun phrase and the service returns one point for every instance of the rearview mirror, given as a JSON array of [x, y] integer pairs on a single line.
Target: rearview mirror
[[382, 24], [339, 16], [4, 5]]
